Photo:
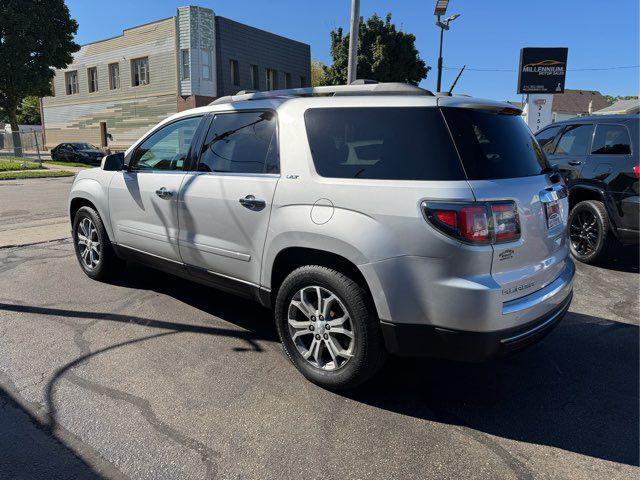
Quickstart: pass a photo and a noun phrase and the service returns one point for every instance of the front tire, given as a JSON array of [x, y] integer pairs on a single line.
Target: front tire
[[589, 231], [93, 248], [328, 328]]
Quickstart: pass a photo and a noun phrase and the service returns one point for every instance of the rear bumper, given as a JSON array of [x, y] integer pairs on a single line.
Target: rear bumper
[[427, 340]]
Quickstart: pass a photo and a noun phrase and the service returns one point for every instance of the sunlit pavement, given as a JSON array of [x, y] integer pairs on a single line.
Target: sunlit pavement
[[156, 377]]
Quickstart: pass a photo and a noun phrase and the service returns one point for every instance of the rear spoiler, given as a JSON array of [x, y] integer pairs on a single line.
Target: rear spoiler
[[503, 108]]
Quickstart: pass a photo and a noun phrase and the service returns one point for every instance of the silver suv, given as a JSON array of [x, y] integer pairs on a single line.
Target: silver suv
[[372, 218]]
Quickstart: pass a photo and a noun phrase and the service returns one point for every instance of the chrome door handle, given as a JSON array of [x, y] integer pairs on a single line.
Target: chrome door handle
[[252, 203], [162, 192], [575, 163]]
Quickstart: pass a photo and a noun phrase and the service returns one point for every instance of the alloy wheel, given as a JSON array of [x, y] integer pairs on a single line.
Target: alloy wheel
[[320, 328], [88, 243], [583, 232]]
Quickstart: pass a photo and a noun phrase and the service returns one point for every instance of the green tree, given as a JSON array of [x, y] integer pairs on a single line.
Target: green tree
[[35, 35], [317, 73], [385, 54], [614, 99], [29, 111]]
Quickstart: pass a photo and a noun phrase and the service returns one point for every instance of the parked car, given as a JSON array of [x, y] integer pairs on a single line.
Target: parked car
[[599, 160], [77, 152], [355, 215]]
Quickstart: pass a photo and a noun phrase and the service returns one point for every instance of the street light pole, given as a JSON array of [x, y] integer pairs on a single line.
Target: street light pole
[[438, 87], [353, 42], [444, 25]]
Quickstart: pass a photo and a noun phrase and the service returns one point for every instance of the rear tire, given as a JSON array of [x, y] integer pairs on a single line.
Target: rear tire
[[589, 231], [93, 248], [350, 348]]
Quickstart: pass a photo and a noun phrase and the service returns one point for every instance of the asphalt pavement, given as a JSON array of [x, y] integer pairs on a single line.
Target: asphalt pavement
[[34, 210], [156, 377]]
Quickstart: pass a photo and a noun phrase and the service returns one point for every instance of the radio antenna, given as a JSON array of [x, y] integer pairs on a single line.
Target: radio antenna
[[456, 80]]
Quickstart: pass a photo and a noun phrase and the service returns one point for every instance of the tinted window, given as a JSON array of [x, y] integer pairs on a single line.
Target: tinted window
[[494, 145], [167, 148], [574, 140], [545, 139], [241, 143], [83, 146], [611, 140], [382, 143]]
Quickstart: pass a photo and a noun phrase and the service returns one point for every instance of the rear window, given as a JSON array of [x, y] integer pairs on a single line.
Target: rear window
[[392, 143], [611, 140], [493, 145]]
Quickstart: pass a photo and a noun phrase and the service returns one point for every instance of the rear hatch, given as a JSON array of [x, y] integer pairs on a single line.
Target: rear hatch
[[503, 162]]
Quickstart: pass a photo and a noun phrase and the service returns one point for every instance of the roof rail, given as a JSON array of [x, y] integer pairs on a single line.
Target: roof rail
[[360, 88]]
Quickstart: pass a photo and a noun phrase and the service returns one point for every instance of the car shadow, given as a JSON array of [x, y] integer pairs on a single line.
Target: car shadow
[[622, 259], [239, 311], [576, 390]]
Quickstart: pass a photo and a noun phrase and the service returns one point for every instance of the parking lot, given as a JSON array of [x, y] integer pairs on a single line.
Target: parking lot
[[156, 377]]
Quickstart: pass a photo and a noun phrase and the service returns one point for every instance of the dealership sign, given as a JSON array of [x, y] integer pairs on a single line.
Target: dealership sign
[[542, 70]]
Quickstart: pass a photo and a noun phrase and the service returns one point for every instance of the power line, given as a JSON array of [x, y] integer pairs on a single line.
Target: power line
[[569, 69]]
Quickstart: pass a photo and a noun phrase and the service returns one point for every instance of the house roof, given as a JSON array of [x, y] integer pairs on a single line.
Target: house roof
[[577, 101], [621, 107]]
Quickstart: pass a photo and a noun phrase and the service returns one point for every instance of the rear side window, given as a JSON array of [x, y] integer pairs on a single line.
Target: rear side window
[[494, 145], [574, 140], [545, 139], [392, 143], [241, 143], [611, 140]]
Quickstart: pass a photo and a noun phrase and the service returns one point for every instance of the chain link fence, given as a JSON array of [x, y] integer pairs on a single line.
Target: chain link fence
[[22, 144]]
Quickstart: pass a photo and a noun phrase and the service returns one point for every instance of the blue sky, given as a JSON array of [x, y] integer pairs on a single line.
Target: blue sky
[[488, 35]]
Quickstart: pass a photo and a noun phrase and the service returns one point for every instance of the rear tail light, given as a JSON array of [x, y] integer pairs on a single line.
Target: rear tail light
[[636, 171], [506, 222], [475, 223]]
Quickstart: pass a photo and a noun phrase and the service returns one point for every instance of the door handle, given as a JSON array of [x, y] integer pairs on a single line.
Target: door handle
[[252, 203], [575, 163], [162, 192]]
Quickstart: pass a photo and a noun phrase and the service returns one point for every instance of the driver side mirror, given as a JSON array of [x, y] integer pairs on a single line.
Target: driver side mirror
[[113, 162]]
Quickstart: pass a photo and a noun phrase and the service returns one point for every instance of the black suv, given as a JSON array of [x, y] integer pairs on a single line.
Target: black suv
[[598, 158]]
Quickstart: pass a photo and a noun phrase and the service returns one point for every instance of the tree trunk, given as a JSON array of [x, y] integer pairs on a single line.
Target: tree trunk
[[15, 133]]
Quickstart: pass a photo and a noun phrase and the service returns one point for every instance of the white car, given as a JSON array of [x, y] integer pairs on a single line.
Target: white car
[[372, 218]]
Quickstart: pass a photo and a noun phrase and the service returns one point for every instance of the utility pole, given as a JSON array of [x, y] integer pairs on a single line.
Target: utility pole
[[353, 41]]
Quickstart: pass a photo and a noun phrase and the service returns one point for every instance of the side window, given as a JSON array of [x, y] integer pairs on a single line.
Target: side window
[[545, 139], [574, 140], [611, 140], [167, 148], [241, 143]]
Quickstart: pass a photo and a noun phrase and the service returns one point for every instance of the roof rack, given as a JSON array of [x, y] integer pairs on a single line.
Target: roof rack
[[359, 87]]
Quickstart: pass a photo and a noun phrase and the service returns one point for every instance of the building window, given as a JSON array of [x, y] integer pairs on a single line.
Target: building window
[[184, 63], [92, 79], [140, 71], [71, 80], [303, 82], [272, 79], [235, 72], [287, 80], [114, 76], [255, 78], [207, 71]]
